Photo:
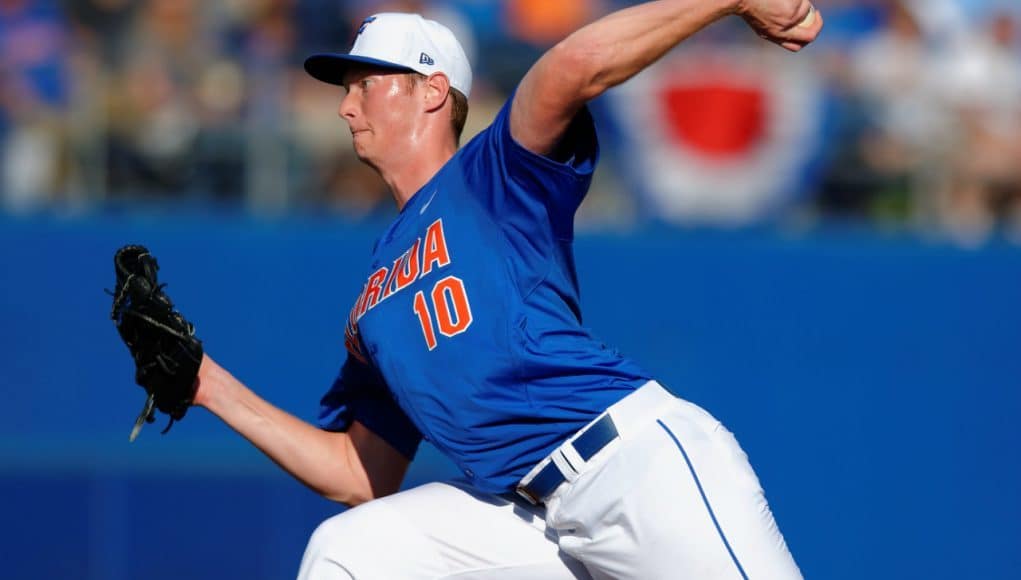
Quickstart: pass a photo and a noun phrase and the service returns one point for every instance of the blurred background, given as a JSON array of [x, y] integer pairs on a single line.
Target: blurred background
[[904, 115], [835, 237]]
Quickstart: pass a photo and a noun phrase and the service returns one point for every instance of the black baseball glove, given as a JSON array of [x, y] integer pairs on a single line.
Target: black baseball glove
[[167, 354]]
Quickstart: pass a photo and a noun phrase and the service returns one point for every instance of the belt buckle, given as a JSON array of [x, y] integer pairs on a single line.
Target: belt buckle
[[527, 495]]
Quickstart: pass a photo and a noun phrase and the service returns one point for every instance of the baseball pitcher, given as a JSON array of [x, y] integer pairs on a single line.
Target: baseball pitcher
[[468, 333]]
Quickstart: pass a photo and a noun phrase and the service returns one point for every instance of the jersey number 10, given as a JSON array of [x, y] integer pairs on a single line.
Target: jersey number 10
[[450, 303]]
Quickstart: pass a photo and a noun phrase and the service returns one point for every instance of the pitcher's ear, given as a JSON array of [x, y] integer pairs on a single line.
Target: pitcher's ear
[[437, 87]]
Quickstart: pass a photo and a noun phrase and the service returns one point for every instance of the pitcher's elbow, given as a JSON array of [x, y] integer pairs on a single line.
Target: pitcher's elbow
[[348, 497], [580, 65]]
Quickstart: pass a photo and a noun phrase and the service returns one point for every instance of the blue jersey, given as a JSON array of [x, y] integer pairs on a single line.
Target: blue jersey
[[468, 331]]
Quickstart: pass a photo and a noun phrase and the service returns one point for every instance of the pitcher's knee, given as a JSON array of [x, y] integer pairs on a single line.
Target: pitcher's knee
[[334, 545], [334, 530], [342, 533], [369, 541]]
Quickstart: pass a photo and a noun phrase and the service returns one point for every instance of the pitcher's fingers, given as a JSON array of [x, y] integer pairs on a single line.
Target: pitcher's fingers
[[802, 35], [791, 45]]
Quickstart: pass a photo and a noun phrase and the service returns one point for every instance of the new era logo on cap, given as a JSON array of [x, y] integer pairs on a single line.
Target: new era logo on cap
[[400, 42]]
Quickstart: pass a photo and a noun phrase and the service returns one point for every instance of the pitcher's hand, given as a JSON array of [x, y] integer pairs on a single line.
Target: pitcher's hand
[[790, 23]]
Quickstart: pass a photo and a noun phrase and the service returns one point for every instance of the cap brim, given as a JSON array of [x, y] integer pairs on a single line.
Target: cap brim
[[330, 68]]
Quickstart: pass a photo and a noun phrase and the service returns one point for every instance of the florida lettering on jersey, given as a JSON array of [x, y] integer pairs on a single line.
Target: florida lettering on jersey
[[448, 296]]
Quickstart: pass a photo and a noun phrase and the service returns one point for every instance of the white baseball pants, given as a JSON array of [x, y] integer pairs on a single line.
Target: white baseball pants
[[673, 497]]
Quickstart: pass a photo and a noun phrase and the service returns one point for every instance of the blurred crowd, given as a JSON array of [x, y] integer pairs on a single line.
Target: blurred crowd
[[182, 101], [929, 113]]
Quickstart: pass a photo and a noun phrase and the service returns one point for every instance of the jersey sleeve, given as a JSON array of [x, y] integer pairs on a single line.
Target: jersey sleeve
[[359, 394], [519, 186]]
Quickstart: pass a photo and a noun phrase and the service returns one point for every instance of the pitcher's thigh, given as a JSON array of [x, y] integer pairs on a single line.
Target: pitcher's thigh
[[682, 502], [722, 491], [438, 530]]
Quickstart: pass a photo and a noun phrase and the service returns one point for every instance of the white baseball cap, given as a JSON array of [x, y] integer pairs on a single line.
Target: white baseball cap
[[400, 42]]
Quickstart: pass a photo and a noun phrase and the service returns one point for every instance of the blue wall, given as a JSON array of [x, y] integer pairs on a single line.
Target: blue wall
[[873, 381]]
